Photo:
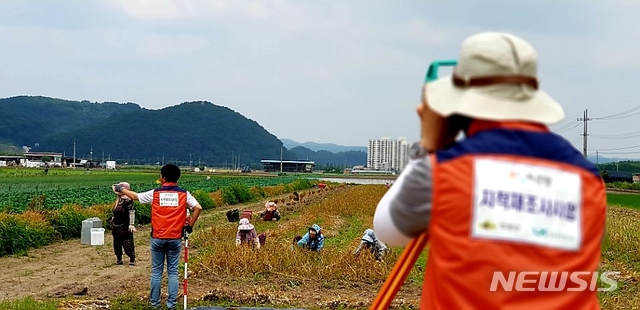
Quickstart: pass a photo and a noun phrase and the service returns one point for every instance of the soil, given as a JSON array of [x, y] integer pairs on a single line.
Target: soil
[[84, 274]]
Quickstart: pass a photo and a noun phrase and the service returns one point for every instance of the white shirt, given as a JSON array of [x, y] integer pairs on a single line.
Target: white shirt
[[405, 209], [147, 197]]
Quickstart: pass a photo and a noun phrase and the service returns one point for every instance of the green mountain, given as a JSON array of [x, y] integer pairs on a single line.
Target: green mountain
[[328, 159], [200, 132], [314, 146], [27, 120]]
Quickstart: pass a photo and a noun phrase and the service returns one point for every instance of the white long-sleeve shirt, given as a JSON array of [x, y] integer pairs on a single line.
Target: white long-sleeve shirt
[[405, 210]]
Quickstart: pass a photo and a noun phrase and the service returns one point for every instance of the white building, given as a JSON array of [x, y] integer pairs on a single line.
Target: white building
[[385, 154]]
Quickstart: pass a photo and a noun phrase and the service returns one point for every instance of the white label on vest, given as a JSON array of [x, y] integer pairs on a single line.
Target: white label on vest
[[527, 203], [168, 199]]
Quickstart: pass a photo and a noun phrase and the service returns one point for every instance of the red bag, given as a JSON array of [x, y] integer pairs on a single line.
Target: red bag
[[246, 214]]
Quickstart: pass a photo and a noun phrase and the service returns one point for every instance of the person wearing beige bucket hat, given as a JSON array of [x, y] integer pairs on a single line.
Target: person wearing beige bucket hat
[[508, 196], [495, 79]]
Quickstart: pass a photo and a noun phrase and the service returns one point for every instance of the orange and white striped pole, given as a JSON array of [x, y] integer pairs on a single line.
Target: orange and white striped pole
[[400, 272]]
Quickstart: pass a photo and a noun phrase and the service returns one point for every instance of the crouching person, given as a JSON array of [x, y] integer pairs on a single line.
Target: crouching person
[[247, 234], [313, 240], [270, 212], [373, 244]]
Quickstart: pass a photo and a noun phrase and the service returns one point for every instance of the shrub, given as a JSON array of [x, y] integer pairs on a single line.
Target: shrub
[[237, 193], [258, 191], [301, 184], [274, 190], [68, 220], [20, 232], [217, 198], [104, 211], [204, 199], [143, 213]]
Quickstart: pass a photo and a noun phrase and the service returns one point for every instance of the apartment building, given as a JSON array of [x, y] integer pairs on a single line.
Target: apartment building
[[385, 154]]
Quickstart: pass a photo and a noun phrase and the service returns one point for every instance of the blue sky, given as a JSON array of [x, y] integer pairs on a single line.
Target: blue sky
[[325, 71]]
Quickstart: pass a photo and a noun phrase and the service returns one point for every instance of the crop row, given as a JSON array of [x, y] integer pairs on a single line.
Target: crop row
[[20, 232], [53, 198]]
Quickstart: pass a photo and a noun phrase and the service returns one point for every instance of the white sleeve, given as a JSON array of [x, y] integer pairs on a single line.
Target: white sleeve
[[405, 210], [145, 197], [191, 201]]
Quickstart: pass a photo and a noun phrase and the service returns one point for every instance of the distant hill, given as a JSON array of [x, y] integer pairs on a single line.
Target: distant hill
[[334, 148], [605, 160], [325, 158], [27, 120], [197, 131]]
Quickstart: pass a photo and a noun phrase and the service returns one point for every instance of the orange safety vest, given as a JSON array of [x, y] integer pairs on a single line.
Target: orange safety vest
[[168, 211], [513, 197]]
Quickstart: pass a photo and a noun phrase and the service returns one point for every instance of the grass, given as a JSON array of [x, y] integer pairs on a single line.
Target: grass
[[28, 303], [627, 200], [343, 219]]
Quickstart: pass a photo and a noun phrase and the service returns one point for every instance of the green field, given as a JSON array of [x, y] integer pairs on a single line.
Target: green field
[[23, 188], [625, 200]]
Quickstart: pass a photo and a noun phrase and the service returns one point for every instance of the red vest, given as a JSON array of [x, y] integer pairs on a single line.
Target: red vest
[[168, 211], [512, 197]]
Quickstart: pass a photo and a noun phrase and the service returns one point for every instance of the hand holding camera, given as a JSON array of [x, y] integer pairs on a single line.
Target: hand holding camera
[[117, 188]]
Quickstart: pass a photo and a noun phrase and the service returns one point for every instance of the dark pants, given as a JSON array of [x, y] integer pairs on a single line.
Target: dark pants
[[123, 238]]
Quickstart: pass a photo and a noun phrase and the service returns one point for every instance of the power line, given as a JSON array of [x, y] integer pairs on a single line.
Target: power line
[[619, 153], [618, 136], [566, 126], [619, 148], [567, 129], [620, 115]]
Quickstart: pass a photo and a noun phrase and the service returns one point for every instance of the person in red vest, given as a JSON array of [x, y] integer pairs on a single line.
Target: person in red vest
[[507, 203], [169, 221]]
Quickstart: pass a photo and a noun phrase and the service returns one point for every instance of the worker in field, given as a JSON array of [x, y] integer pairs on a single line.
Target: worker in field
[[370, 242], [313, 240], [270, 212], [509, 197], [169, 220], [246, 234], [123, 226]]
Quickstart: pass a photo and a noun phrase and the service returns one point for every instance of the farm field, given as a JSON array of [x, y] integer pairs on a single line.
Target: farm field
[[624, 199], [274, 275], [24, 188]]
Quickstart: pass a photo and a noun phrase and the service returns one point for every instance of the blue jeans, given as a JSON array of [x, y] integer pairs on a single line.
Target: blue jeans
[[161, 249]]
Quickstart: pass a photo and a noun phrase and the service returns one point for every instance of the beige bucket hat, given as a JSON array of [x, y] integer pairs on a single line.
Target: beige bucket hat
[[495, 79]]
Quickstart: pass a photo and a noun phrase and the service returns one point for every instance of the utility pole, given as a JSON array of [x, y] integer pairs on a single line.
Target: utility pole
[[585, 133], [596, 157], [91, 153], [74, 154]]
